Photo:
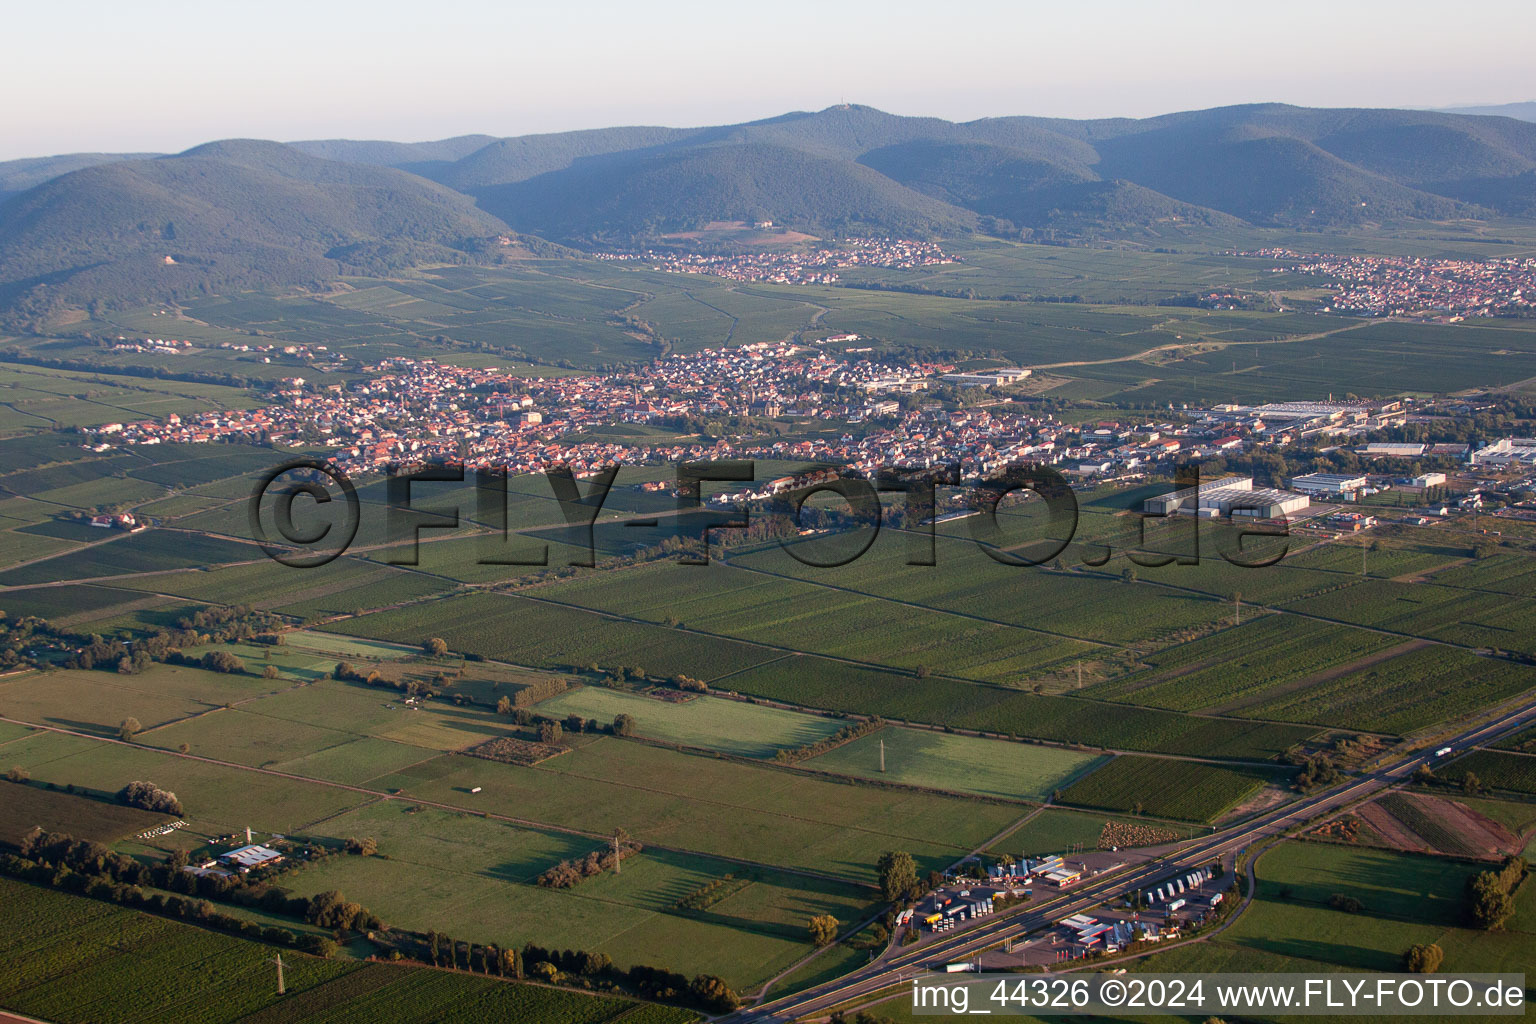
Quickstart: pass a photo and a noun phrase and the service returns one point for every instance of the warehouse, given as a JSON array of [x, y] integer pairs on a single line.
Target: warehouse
[[1167, 504], [1332, 485], [1511, 451], [987, 378], [1229, 496]]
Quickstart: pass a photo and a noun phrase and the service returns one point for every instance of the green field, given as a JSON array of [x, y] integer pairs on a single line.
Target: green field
[[734, 727], [962, 764], [77, 961], [1407, 899], [1167, 788], [479, 874]]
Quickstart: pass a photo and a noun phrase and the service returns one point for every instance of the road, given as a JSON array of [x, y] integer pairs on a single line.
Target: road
[[897, 963]]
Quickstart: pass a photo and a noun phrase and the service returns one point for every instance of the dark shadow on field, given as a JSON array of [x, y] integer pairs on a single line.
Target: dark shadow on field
[[1329, 953], [94, 728]]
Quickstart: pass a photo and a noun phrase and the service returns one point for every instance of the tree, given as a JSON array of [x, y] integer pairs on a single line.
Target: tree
[[128, 729], [150, 797], [550, 732], [1348, 904], [1471, 784], [713, 994], [504, 705], [624, 725], [270, 672], [574, 724], [222, 661], [435, 646], [1423, 959], [822, 929], [1491, 894], [898, 876], [17, 774]]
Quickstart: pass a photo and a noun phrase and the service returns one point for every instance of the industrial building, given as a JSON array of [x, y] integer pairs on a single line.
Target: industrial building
[[1228, 496], [1330, 485], [987, 378], [1511, 451]]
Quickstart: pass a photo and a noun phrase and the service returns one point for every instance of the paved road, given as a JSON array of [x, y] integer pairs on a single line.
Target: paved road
[[899, 963]]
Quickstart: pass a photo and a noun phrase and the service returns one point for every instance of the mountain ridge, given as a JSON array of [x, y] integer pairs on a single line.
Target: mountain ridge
[[251, 211]]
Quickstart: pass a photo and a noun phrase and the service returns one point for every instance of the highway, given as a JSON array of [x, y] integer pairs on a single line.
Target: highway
[[899, 963]]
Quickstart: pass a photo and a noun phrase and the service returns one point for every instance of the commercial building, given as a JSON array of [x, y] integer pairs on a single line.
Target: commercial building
[[1167, 504], [1228, 496], [1331, 485], [987, 378], [1392, 450], [1511, 451]]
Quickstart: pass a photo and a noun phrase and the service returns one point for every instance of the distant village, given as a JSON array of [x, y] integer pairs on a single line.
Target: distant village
[[792, 266], [1421, 287]]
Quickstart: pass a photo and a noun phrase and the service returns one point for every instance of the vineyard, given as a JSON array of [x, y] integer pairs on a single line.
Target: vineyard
[[76, 961], [1514, 772], [839, 686], [1242, 664], [1161, 787], [1407, 692]]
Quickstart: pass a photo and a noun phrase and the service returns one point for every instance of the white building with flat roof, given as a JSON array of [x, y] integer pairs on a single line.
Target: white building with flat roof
[[1511, 451], [1328, 484]]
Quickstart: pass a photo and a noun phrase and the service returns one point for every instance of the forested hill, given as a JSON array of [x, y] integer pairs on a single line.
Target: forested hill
[[223, 216], [243, 214]]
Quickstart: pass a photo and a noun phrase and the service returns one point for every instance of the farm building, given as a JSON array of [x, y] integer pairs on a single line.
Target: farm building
[[248, 857]]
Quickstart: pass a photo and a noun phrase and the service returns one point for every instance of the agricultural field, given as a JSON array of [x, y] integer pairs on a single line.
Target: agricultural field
[[78, 961], [1496, 768], [1057, 829], [1165, 788], [1242, 666], [723, 808], [838, 686], [218, 798], [523, 631], [961, 764], [148, 551], [712, 723], [1416, 688], [343, 587], [1435, 825], [479, 874], [24, 807], [1407, 899], [805, 617]]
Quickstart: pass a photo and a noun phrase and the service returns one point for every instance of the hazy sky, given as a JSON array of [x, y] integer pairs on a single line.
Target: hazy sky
[[163, 75]]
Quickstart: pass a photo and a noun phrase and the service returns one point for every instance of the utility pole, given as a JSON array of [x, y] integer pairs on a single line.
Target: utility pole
[[1079, 675], [281, 989], [618, 862], [882, 753]]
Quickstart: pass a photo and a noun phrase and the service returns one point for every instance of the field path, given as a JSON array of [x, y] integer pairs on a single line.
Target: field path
[[1204, 344]]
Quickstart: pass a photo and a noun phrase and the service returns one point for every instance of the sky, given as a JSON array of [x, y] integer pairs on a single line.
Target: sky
[[164, 75]]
